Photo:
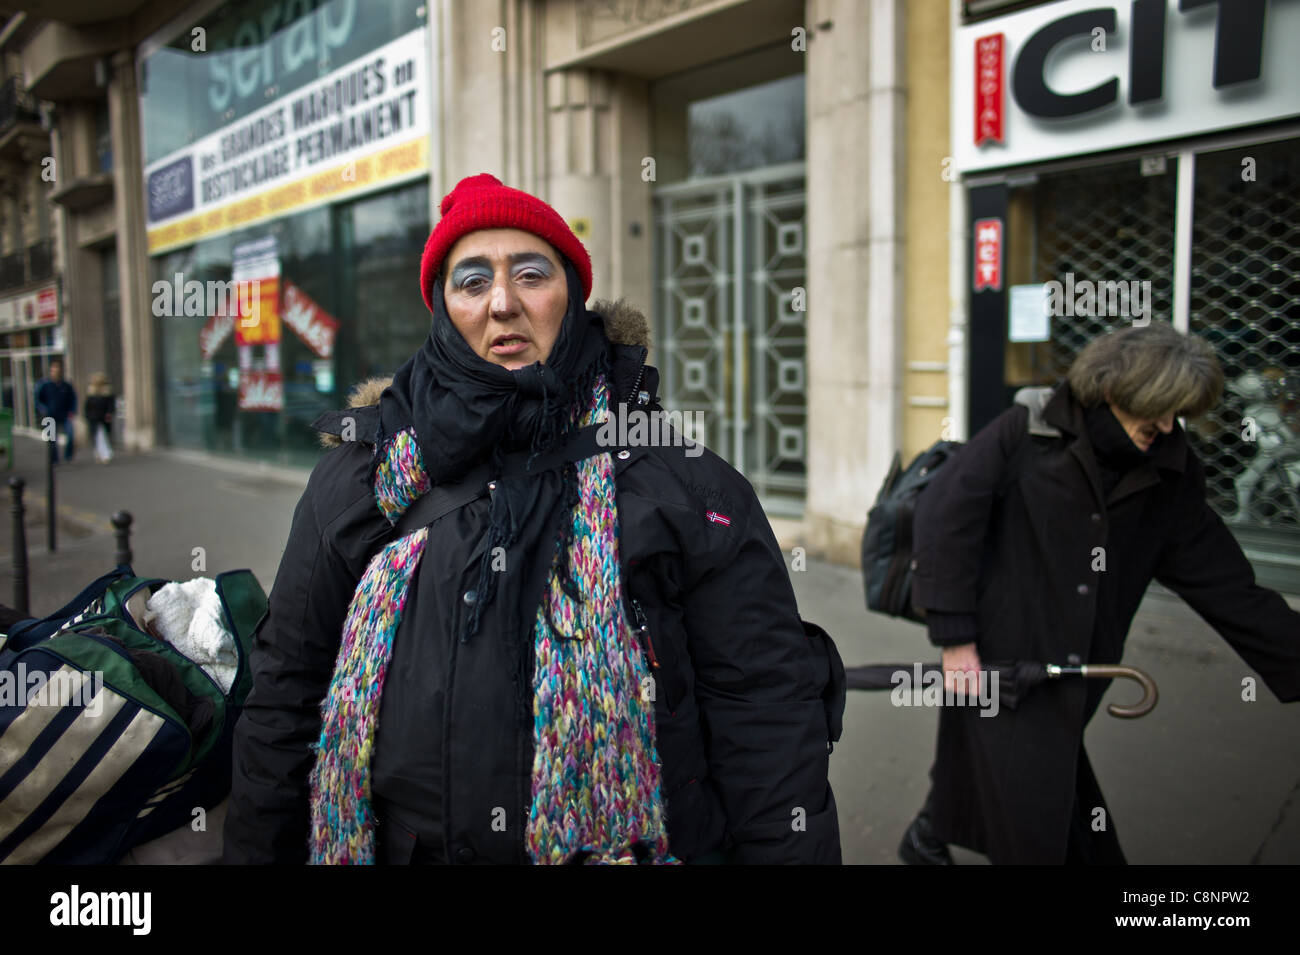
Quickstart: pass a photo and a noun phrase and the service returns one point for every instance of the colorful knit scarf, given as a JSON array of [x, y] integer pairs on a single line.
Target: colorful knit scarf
[[596, 776]]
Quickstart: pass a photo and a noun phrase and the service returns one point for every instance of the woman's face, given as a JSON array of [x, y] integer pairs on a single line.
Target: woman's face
[[506, 294], [1143, 431]]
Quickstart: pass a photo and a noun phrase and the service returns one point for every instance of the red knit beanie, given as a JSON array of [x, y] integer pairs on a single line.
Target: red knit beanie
[[482, 202]]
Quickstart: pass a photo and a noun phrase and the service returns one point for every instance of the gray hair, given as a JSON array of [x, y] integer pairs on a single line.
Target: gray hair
[[1148, 372]]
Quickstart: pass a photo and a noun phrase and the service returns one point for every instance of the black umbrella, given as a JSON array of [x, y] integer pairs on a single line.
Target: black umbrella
[[1013, 680]]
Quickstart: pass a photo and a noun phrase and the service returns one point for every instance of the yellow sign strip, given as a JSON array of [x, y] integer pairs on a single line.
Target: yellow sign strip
[[393, 163]]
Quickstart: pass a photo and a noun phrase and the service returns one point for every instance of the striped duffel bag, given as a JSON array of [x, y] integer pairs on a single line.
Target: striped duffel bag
[[110, 735]]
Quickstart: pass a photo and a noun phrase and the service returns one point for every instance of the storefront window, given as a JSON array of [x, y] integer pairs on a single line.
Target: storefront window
[[287, 203], [381, 240], [1245, 300], [356, 264]]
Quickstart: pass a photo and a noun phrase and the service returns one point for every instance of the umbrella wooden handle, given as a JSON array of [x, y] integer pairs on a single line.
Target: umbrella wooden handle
[[1150, 695]]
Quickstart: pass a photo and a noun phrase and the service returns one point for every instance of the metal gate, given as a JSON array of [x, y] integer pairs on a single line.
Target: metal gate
[[1245, 300], [1102, 224], [730, 321]]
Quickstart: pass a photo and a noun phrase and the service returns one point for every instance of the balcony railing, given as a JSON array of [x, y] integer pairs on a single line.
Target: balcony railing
[[16, 105], [13, 269], [32, 264], [40, 261]]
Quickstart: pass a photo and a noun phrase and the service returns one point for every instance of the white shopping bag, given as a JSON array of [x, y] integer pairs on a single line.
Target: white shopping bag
[[103, 450]]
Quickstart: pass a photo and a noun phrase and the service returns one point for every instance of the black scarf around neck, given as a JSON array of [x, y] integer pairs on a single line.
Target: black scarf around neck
[[465, 410], [1113, 449]]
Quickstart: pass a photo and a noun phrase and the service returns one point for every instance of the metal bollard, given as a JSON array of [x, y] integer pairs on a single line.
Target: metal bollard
[[49, 498], [122, 525], [16, 485]]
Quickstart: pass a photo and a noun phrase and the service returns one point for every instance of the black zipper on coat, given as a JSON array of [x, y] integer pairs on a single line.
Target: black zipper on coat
[[523, 744], [643, 628], [636, 385], [524, 809], [447, 710]]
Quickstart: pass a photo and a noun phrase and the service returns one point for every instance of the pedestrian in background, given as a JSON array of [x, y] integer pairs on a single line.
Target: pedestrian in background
[[100, 402], [57, 399], [1037, 542]]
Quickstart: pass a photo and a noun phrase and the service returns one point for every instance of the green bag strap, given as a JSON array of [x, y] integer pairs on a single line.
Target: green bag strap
[[120, 591], [246, 607], [245, 602]]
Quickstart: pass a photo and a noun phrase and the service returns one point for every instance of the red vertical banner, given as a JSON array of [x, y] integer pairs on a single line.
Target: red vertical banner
[[988, 254], [315, 326], [990, 89], [215, 331], [47, 306]]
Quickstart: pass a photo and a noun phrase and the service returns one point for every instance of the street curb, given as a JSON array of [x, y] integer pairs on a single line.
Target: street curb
[[286, 474], [74, 518], [244, 467]]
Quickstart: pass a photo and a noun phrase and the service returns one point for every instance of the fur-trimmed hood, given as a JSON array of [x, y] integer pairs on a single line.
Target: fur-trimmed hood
[[625, 324]]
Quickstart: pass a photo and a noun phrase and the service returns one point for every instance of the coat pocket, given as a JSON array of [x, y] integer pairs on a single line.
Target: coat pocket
[[396, 843], [665, 655]]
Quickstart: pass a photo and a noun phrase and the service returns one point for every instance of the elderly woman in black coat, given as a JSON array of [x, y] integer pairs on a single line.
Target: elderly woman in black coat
[[1037, 542], [496, 636]]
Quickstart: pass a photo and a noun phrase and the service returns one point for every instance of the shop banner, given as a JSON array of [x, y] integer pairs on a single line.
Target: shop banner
[[988, 254], [362, 127], [315, 326], [989, 89], [214, 333], [255, 270], [260, 325], [30, 309], [261, 389], [1079, 77]]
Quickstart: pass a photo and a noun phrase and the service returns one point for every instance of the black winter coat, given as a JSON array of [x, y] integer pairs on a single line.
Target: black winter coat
[[741, 723], [99, 409], [1008, 532]]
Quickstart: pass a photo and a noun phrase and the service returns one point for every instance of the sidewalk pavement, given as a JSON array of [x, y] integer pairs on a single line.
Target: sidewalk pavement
[[190, 512], [1205, 778]]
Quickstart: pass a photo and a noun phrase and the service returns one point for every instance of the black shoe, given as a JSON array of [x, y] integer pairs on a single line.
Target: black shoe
[[920, 847]]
